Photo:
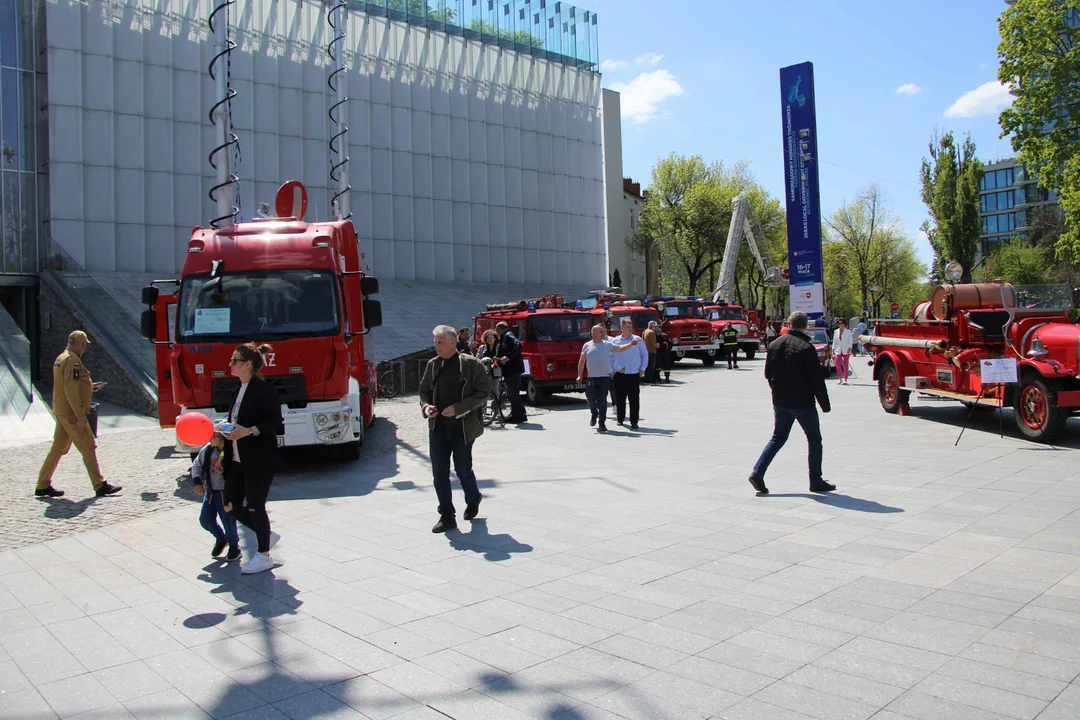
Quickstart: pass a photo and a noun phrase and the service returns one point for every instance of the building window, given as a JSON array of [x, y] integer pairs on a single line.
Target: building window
[[633, 220]]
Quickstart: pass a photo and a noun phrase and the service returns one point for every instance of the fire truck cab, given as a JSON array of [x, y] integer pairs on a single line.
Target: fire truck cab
[[722, 313], [683, 320], [953, 339], [609, 309], [551, 337], [277, 280]]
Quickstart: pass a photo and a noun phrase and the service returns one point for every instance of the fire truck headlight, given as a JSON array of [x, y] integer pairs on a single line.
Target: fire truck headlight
[[321, 420], [337, 417], [675, 340], [551, 367]]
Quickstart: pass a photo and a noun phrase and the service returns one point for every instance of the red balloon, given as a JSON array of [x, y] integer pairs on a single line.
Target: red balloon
[[194, 429]]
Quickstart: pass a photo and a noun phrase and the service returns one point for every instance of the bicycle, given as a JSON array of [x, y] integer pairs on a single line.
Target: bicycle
[[497, 405], [387, 384]]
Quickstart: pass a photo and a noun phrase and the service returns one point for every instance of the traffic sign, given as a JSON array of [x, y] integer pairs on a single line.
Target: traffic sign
[[895, 307], [896, 314]]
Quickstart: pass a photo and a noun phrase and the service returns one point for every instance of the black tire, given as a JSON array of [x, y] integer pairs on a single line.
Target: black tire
[[889, 392], [350, 452], [388, 384], [750, 353], [708, 360], [504, 405], [489, 410], [533, 394], [1037, 415]]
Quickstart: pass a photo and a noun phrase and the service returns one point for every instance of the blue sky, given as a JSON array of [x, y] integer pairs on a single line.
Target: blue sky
[[684, 64]]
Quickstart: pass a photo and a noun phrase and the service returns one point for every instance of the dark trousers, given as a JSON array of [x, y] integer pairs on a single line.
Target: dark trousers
[[731, 352], [650, 371], [784, 418], [446, 440], [247, 492], [596, 390], [213, 507], [627, 387], [513, 391]]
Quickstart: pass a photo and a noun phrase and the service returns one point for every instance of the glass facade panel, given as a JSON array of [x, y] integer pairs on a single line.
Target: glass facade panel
[[11, 154], [9, 33], [12, 218]]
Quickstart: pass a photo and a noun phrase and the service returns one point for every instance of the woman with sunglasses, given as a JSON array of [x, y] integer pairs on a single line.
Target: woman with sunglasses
[[251, 454]]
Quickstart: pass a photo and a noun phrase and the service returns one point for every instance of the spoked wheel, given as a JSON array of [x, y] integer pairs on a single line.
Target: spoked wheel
[[1036, 411], [388, 384], [889, 392]]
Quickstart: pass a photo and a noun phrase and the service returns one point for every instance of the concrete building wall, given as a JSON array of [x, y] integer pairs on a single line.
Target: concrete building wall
[[620, 208], [469, 162]]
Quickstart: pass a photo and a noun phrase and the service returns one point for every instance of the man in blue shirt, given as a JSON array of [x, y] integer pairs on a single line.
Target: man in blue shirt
[[596, 357], [627, 370]]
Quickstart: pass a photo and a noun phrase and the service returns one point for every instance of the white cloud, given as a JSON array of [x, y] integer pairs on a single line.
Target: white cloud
[[986, 99], [649, 58], [908, 89], [642, 96], [610, 65]]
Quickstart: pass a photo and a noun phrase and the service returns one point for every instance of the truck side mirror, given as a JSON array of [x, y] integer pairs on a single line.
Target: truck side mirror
[[372, 313], [369, 286], [148, 321], [150, 295]]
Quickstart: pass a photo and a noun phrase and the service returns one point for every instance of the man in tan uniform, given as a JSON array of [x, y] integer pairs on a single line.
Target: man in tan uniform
[[72, 388]]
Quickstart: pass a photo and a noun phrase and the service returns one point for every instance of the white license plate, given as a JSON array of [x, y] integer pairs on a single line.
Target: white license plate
[[281, 441], [577, 387]]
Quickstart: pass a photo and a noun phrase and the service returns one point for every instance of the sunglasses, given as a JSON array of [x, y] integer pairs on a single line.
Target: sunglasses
[[235, 360]]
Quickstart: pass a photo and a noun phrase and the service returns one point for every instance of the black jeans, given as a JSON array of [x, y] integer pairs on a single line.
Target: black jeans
[[446, 440], [627, 387], [731, 352], [241, 486], [784, 418], [596, 390], [513, 391], [651, 375]]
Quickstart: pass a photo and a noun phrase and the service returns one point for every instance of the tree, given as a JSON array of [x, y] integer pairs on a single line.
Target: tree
[[521, 37], [1020, 262], [1039, 58], [950, 190], [422, 8]]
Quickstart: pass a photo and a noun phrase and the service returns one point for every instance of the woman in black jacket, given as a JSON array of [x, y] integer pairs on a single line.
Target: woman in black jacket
[[251, 455]]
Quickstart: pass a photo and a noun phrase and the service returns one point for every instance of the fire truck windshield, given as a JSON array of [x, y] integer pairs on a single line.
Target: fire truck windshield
[[725, 313], [552, 328], [264, 305], [641, 320], [1037, 297], [684, 310]]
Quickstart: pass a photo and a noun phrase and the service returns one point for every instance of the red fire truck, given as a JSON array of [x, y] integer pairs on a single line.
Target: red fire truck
[[722, 313], [551, 337], [609, 309], [293, 284], [683, 320], [952, 341]]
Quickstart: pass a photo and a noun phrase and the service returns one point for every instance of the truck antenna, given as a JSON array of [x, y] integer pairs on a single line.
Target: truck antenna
[[223, 193], [338, 16]]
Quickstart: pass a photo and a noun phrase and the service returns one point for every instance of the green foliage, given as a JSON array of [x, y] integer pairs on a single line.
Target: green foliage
[[950, 190], [1019, 262], [868, 260], [1039, 57], [686, 217], [441, 12], [521, 37]]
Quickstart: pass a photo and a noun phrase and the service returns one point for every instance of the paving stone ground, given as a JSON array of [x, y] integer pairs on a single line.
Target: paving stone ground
[[632, 575]]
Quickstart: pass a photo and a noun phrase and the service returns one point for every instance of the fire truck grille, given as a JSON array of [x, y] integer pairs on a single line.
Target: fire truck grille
[[292, 389], [693, 337], [564, 366]]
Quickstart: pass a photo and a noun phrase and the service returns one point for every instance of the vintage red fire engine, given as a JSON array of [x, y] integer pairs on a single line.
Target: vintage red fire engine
[[551, 338], [744, 323], [609, 308], [293, 284], [944, 348], [683, 320]]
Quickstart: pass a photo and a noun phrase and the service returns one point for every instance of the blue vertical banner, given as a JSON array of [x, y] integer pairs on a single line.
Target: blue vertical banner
[[801, 189]]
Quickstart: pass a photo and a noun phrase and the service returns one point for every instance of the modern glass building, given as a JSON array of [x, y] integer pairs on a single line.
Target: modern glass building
[[1008, 202]]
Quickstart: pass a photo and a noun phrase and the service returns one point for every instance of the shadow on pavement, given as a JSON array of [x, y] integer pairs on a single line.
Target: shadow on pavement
[[841, 501], [494, 547], [985, 422], [64, 509]]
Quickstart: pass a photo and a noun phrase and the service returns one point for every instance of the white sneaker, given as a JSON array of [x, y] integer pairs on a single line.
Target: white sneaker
[[274, 537], [257, 564]]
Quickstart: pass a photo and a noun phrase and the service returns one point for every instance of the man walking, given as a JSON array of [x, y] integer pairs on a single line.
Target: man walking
[[72, 389], [730, 338], [796, 379], [512, 367], [596, 356], [651, 345], [628, 369], [452, 391]]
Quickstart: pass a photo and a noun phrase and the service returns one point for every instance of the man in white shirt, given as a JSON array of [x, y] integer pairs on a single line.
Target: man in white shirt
[[627, 369], [596, 357]]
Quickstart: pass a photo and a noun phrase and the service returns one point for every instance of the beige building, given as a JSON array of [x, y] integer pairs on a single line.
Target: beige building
[[624, 200]]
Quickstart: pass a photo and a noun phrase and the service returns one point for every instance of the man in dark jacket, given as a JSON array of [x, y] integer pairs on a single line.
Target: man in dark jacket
[[796, 379], [513, 366], [452, 391]]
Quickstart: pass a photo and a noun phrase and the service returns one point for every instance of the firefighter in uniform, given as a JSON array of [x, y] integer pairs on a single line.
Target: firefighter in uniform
[[72, 388], [731, 345]]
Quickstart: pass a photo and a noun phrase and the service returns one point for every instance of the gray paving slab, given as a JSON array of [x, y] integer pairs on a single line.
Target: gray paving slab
[[619, 576]]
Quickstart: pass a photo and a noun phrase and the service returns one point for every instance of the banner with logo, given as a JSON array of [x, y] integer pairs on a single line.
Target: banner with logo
[[801, 189]]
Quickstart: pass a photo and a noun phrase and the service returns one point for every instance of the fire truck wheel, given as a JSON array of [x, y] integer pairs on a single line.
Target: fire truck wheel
[[708, 360], [534, 394], [1036, 411], [750, 353], [350, 451], [889, 392]]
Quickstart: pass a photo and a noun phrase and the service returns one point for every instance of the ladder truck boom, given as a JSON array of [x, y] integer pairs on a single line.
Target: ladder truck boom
[[775, 276]]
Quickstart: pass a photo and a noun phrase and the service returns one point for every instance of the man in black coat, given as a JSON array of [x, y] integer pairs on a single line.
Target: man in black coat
[[513, 365], [796, 379]]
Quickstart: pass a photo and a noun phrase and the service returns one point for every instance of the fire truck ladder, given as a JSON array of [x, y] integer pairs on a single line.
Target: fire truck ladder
[[742, 214]]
